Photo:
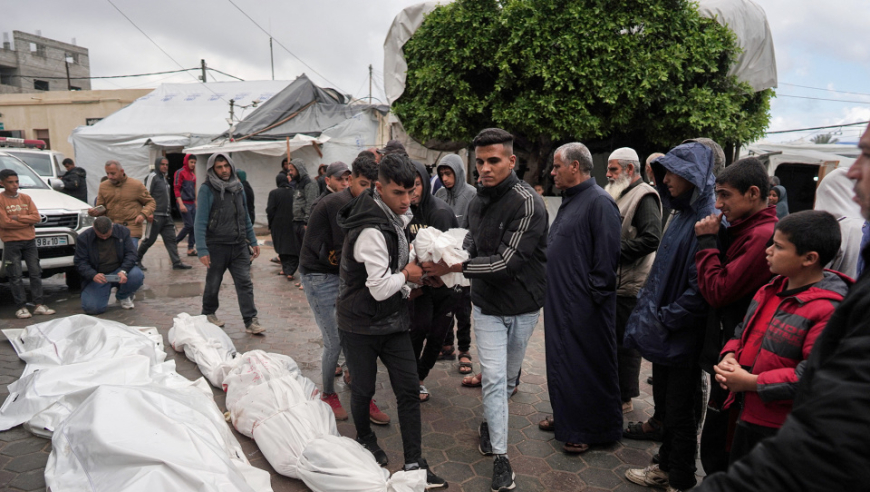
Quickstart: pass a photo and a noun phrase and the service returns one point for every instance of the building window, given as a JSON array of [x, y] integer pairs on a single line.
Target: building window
[[91, 121], [37, 49], [43, 135], [74, 88], [72, 58], [40, 85]]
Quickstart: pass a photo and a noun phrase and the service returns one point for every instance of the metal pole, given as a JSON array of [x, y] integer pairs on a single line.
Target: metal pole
[[202, 65], [232, 102], [272, 57], [370, 83], [68, 84]]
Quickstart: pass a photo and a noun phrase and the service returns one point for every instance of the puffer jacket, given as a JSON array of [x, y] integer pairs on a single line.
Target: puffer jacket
[[160, 191], [667, 326], [461, 194], [786, 344], [75, 183], [126, 201]]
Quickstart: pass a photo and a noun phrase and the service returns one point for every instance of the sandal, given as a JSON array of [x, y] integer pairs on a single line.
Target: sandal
[[473, 381], [548, 424], [465, 366], [446, 353], [424, 394], [635, 430], [572, 448]]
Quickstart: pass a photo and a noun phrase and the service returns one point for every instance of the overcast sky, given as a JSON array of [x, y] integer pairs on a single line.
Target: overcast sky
[[818, 44]]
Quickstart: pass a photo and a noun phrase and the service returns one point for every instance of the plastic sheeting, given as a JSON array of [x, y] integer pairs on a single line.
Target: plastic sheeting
[[203, 343], [436, 246], [756, 65]]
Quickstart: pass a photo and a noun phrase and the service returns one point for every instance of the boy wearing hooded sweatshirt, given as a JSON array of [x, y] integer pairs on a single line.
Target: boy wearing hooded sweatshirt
[[432, 307], [184, 185], [667, 325], [458, 194], [161, 223], [225, 240]]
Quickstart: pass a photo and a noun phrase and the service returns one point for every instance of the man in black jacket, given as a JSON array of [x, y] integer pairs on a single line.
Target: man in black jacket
[[431, 309], [821, 446], [279, 214], [75, 180], [319, 267], [372, 306], [508, 225], [161, 222], [105, 258]]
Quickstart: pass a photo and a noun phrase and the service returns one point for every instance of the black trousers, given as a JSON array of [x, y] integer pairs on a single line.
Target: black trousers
[[237, 259], [679, 388], [362, 353], [165, 227], [289, 263], [462, 314], [714, 436], [627, 360], [746, 436], [431, 317]]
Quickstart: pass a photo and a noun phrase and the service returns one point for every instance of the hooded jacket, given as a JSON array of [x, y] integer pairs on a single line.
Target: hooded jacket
[[507, 247], [159, 189], [324, 239], [667, 326], [461, 194], [279, 213], [782, 204], [787, 339], [431, 211], [221, 219], [356, 309], [184, 183], [307, 190], [75, 183]]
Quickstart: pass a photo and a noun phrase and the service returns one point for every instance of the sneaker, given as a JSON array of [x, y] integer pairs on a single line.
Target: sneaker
[[331, 399], [254, 328], [502, 474], [371, 444], [127, 302], [43, 309], [651, 476], [433, 481], [485, 446], [211, 318], [377, 416], [22, 313], [181, 266], [141, 267]]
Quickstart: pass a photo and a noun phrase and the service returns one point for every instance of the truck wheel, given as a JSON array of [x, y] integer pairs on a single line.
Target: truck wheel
[[73, 279]]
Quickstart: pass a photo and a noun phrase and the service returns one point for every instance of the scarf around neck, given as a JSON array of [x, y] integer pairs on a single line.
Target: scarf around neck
[[399, 225], [232, 185]]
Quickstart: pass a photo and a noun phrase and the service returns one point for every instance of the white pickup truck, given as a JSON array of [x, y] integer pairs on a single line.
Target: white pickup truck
[[62, 219]]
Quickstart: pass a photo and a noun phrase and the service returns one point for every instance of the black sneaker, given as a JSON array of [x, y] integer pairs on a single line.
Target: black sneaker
[[141, 267], [371, 444], [433, 481], [502, 474], [485, 446], [181, 266]]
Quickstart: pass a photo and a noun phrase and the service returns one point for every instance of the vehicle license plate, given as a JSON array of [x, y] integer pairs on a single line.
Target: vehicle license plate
[[50, 241]]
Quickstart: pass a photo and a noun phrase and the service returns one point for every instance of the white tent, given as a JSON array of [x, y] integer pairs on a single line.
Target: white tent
[[171, 117]]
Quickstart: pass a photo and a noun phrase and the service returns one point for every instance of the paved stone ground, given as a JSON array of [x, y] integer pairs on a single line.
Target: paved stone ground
[[450, 418]]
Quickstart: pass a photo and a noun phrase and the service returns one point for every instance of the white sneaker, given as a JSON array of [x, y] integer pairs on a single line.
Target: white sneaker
[[127, 303], [22, 313], [43, 309], [651, 476]]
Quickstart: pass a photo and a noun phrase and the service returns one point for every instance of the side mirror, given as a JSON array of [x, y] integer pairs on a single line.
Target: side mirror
[[56, 184]]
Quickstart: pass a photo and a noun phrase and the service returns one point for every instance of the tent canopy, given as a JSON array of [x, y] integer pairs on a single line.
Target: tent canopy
[[272, 148]]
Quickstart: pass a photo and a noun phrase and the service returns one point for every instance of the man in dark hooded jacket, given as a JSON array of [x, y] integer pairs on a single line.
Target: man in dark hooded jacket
[[667, 326], [307, 191], [432, 308], [249, 194], [161, 222], [279, 213], [75, 180], [225, 240]]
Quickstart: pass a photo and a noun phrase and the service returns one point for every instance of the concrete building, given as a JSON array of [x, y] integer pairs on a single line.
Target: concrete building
[[37, 64], [52, 116]]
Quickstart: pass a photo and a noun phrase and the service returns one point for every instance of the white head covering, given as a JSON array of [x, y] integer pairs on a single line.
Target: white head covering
[[624, 154], [835, 193]]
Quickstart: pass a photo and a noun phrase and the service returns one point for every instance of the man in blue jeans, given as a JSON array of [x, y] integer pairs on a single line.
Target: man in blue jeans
[[507, 246], [103, 252], [319, 262]]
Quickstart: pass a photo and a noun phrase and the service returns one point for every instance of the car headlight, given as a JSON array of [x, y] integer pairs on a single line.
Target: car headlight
[[85, 220]]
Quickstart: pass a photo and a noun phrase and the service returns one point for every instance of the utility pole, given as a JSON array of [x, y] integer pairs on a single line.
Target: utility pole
[[370, 83], [202, 65], [68, 84], [232, 103], [272, 57]]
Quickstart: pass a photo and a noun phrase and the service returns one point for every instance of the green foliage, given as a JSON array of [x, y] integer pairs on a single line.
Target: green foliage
[[648, 72]]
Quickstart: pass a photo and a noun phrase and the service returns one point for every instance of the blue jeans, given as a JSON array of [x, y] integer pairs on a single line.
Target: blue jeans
[[501, 347], [321, 289], [187, 230], [95, 297]]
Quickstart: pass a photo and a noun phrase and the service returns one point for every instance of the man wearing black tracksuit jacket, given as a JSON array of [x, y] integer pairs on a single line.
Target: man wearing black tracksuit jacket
[[431, 309]]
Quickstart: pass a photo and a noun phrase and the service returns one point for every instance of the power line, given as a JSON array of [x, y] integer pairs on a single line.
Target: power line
[[822, 89], [105, 76], [819, 127], [285, 48], [823, 99], [223, 73]]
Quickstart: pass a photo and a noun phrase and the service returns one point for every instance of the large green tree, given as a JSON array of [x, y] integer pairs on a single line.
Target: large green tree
[[644, 73]]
